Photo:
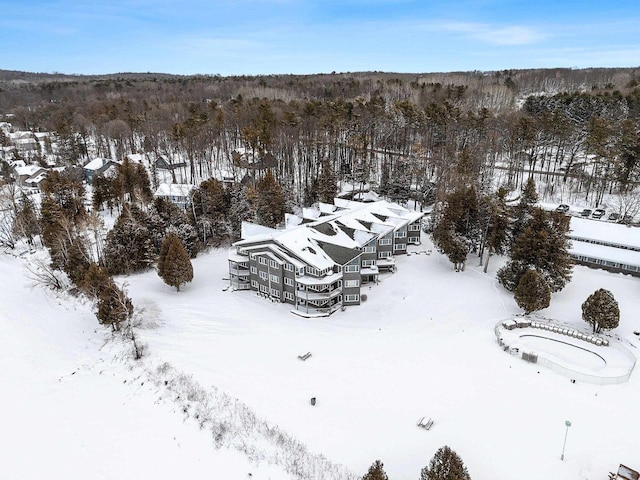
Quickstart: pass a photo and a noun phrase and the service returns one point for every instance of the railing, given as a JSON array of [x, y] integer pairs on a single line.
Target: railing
[[573, 374], [311, 295], [243, 272]]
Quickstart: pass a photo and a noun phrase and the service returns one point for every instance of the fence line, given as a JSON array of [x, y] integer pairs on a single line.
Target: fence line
[[536, 357]]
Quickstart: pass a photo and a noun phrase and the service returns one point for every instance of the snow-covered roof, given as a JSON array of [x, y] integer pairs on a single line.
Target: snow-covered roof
[[338, 237], [606, 253], [252, 230], [174, 190], [96, 164], [27, 170], [606, 232]]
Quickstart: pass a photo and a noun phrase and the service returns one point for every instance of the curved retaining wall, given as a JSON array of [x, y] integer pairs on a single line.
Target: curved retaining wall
[[535, 357]]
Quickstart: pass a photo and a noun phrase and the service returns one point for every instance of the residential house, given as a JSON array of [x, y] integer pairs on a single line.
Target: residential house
[[96, 167], [320, 264], [178, 193], [22, 173]]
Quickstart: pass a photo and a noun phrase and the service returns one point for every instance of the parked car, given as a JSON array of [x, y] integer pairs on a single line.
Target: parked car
[[586, 213], [614, 216], [562, 208], [626, 219], [598, 213]]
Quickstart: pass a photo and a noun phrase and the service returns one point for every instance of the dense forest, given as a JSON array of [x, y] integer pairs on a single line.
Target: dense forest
[[402, 133]]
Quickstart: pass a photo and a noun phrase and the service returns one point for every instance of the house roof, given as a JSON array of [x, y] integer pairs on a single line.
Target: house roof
[[97, 164], [27, 170], [174, 190]]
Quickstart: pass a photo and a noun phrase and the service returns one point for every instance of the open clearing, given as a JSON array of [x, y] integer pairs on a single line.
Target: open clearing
[[421, 345]]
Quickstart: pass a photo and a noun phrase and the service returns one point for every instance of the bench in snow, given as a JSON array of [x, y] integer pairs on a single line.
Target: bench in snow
[[426, 425], [305, 356]]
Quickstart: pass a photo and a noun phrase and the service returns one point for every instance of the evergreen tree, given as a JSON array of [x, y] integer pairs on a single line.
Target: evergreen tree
[[96, 280], [240, 210], [129, 247], [270, 205], [114, 307], [26, 222], [327, 185], [601, 311], [524, 210], [532, 292], [457, 230], [176, 268], [497, 235], [543, 245], [399, 184], [445, 465], [376, 472]]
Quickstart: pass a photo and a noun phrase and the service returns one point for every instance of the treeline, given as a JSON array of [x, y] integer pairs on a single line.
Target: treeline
[[369, 127]]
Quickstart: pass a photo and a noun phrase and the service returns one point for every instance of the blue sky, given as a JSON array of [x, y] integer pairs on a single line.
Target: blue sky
[[231, 37]]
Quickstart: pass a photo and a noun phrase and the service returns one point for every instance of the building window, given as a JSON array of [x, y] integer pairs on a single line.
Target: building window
[[368, 263], [288, 281], [313, 271], [384, 241], [384, 254], [263, 275], [300, 271], [288, 267], [351, 283], [264, 289], [262, 260], [274, 278], [414, 228], [414, 240], [273, 264], [351, 268], [351, 298], [254, 270], [275, 293], [254, 284], [369, 249], [400, 234], [288, 296], [400, 246]]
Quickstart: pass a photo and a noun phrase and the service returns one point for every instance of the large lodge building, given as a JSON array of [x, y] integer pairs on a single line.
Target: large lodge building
[[319, 264]]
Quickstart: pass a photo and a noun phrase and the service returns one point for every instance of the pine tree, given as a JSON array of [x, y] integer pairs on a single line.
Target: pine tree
[[532, 292], [445, 465], [458, 230], [327, 185], [26, 223], [240, 210], [376, 472], [129, 247], [524, 210], [175, 267], [601, 311], [543, 245], [270, 205], [114, 307], [96, 280]]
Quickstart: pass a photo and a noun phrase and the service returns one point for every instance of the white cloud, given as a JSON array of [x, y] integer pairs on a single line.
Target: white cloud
[[496, 35]]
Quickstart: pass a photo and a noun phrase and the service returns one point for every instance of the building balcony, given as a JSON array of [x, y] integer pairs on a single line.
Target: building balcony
[[239, 271], [313, 295]]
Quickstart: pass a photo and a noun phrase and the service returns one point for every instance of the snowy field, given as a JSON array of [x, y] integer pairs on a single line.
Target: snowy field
[[72, 407], [422, 344]]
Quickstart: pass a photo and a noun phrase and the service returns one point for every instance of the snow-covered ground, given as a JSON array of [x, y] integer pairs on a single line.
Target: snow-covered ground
[[422, 344], [74, 407]]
